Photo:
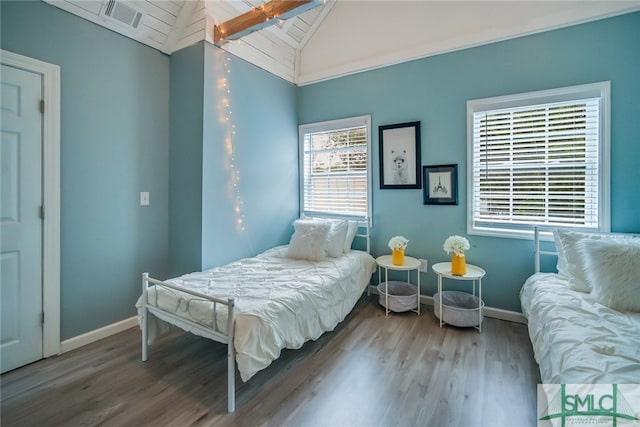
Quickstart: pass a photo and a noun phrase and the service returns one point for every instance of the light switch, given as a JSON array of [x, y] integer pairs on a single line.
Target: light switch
[[144, 198]]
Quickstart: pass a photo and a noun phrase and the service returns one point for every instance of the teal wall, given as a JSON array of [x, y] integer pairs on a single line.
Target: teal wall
[[263, 151], [204, 191], [185, 160], [435, 90], [114, 144]]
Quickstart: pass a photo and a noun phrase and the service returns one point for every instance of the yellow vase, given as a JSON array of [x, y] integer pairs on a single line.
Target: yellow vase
[[397, 256], [458, 265]]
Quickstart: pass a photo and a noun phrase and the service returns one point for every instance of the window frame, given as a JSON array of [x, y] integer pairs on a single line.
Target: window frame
[[601, 90], [328, 126]]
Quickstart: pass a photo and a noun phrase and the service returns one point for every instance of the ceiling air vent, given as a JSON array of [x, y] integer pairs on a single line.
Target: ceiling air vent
[[123, 13]]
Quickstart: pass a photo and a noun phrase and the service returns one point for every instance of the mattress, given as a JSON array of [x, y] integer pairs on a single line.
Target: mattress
[[575, 339], [280, 302]]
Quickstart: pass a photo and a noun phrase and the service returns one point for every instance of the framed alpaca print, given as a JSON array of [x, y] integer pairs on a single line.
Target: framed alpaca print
[[440, 184], [400, 155]]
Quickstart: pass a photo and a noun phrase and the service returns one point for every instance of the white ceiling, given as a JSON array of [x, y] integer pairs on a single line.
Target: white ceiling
[[360, 35], [346, 36]]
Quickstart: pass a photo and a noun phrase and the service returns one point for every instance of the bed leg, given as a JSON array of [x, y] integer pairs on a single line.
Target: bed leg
[[231, 358], [145, 315], [144, 335], [231, 373]]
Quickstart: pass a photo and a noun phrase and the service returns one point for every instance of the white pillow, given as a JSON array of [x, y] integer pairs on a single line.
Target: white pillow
[[351, 234], [571, 262], [613, 272], [335, 239], [308, 240]]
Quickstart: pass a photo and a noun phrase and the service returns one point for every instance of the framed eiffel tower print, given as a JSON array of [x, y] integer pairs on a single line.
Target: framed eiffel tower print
[[440, 184]]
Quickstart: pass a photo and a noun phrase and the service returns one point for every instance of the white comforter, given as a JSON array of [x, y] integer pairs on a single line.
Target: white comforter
[[280, 302], [577, 340]]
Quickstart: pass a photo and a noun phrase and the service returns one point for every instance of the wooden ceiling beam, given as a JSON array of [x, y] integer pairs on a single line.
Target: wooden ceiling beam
[[258, 18]]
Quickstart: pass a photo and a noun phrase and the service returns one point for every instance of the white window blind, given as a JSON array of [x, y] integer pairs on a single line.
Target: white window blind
[[335, 168], [537, 164]]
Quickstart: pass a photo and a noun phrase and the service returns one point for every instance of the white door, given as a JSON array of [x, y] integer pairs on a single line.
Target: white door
[[21, 234]]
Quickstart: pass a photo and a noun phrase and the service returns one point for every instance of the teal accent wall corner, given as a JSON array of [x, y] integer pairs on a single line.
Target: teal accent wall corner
[[114, 144], [250, 159], [185, 159], [435, 90], [233, 159]]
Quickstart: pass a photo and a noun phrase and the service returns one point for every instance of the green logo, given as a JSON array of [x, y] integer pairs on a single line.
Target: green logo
[[587, 404]]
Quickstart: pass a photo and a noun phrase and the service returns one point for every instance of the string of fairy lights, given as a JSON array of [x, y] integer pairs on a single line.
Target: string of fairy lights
[[229, 141], [227, 112]]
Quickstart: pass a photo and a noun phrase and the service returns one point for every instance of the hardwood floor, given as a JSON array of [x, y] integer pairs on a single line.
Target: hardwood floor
[[401, 370]]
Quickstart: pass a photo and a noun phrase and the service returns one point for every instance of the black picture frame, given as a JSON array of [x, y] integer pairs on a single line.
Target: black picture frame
[[440, 184], [400, 156]]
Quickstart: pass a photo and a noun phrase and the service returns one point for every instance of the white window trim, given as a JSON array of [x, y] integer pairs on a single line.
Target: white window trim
[[600, 90], [333, 125]]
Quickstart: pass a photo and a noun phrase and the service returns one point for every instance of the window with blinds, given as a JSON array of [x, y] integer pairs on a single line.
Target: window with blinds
[[539, 160], [335, 168]]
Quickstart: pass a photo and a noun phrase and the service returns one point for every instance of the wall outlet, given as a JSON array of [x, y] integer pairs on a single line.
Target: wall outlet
[[144, 198], [424, 265]]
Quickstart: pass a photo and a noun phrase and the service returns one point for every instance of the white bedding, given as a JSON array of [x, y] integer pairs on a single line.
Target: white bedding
[[280, 302], [575, 339]]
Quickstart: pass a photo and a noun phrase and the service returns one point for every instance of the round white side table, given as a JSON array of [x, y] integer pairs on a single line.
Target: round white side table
[[410, 264], [474, 274]]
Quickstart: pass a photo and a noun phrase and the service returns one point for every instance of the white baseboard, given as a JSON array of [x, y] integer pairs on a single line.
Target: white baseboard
[[98, 334], [511, 316], [495, 313]]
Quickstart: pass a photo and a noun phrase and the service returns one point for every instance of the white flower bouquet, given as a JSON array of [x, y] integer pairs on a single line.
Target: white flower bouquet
[[398, 242], [456, 244]]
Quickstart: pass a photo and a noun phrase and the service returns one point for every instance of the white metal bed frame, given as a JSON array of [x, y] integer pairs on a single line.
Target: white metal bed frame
[[537, 252], [224, 335]]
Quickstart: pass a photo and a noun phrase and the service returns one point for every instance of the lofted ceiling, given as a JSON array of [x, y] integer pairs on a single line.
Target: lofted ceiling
[[339, 37]]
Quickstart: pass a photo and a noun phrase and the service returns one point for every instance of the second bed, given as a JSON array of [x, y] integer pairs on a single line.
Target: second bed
[[274, 302]]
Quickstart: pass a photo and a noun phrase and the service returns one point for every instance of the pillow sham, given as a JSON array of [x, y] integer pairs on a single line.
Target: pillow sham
[[612, 269], [336, 237], [308, 240], [571, 262], [352, 229]]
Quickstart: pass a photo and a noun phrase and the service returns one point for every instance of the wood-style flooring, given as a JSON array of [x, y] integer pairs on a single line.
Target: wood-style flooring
[[372, 370]]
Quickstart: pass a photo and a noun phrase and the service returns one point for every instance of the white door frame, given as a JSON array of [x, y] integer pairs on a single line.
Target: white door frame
[[51, 188]]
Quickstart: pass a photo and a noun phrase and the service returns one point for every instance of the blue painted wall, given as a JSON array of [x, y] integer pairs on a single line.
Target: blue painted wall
[[435, 90], [185, 160], [114, 144], [233, 159], [263, 152]]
